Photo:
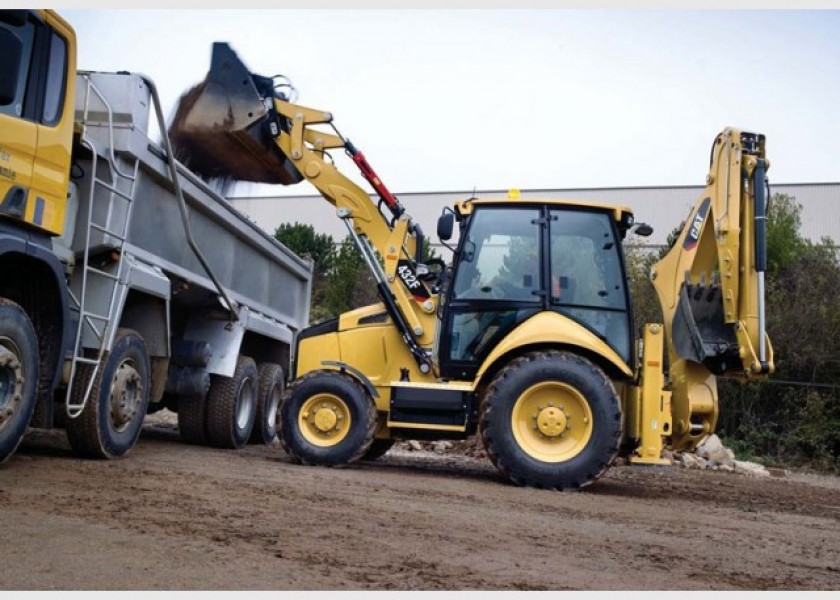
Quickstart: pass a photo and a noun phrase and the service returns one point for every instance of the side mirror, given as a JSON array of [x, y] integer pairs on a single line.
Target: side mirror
[[445, 225], [10, 57], [643, 229]]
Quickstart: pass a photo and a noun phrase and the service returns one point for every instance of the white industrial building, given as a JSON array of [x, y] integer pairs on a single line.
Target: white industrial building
[[663, 207]]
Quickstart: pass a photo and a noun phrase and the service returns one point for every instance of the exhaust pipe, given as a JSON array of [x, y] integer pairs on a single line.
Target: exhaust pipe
[[224, 127]]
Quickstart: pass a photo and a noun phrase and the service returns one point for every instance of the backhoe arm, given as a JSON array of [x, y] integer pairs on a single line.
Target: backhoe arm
[[711, 286]]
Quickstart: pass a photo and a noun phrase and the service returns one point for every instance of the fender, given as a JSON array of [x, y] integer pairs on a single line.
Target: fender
[[16, 240]]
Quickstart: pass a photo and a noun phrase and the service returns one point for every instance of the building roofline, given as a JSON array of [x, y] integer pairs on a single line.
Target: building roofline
[[478, 193]]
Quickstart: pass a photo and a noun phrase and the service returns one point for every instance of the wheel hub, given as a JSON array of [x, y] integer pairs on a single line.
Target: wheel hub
[[551, 421], [324, 420], [11, 383], [126, 392]]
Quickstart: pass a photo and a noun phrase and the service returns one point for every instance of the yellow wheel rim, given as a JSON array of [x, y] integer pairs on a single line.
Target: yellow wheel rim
[[551, 422], [324, 420]]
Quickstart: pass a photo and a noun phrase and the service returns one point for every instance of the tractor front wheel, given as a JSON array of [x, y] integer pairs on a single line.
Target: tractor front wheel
[[327, 419]]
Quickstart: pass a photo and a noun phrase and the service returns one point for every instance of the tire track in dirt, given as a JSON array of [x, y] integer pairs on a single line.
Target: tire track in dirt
[[423, 521]]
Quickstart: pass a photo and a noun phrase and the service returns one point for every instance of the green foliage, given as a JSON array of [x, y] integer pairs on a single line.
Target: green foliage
[[794, 418], [350, 284], [303, 241], [784, 241]]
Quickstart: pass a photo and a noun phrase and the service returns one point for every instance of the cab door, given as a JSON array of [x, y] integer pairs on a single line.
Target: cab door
[[498, 283], [36, 63], [18, 136]]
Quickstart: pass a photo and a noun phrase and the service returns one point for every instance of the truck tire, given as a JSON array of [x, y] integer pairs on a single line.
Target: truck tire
[[551, 420], [18, 375], [272, 385], [192, 419], [326, 419], [232, 404], [378, 449], [111, 421]]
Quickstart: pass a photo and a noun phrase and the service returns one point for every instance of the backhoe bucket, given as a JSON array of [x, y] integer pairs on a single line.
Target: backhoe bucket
[[700, 332], [222, 127]]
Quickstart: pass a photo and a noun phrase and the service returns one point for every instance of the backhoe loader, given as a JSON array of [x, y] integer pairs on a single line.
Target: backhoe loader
[[527, 336]]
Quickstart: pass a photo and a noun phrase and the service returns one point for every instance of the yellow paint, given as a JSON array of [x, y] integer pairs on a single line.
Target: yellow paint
[[552, 422], [324, 420]]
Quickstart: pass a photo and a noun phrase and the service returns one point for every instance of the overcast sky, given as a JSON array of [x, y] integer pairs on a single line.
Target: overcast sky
[[494, 99]]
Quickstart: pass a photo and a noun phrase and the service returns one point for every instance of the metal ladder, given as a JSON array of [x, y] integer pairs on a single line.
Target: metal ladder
[[99, 324]]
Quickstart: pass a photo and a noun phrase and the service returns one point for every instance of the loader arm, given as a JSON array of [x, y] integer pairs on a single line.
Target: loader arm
[[237, 125], [397, 240], [711, 287]]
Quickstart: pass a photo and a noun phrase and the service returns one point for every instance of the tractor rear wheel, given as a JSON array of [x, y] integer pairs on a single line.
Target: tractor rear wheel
[[378, 449], [551, 420], [327, 419]]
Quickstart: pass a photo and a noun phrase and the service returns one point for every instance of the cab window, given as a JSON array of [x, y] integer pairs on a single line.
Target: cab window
[[56, 75], [16, 38], [587, 275]]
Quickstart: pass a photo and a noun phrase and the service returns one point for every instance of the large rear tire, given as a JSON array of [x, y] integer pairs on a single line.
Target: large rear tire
[[113, 416], [272, 385], [192, 419], [378, 449], [231, 405], [18, 375], [327, 419], [551, 420]]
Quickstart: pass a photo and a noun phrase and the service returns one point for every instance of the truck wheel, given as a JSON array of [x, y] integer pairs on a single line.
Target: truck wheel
[[113, 416], [272, 384], [192, 417], [18, 375], [232, 405], [551, 420], [378, 449], [326, 419]]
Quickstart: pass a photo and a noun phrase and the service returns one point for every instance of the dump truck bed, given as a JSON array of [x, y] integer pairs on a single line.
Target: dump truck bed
[[255, 269]]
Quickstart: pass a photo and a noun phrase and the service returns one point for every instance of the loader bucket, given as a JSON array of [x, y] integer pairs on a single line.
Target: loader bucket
[[222, 127]]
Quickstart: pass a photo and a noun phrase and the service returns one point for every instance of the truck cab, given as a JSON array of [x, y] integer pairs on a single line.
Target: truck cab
[[37, 63]]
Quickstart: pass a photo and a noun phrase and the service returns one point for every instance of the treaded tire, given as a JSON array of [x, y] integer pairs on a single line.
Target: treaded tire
[[378, 449], [551, 368], [272, 385], [361, 412], [192, 419], [98, 432], [231, 405], [17, 399]]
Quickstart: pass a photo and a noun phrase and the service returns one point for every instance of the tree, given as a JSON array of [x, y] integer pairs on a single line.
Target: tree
[[302, 240], [320, 247], [784, 241]]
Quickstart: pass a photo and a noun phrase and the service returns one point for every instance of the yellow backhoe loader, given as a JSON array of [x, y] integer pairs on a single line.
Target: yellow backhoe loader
[[528, 336]]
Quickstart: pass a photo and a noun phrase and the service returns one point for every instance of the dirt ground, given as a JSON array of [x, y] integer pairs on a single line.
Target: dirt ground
[[173, 516]]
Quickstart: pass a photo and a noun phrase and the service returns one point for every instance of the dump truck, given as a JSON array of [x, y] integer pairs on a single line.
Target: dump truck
[[527, 337], [127, 284]]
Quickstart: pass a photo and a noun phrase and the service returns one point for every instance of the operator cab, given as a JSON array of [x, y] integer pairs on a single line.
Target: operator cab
[[517, 259]]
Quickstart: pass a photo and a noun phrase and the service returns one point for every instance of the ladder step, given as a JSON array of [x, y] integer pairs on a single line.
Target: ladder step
[[96, 271], [111, 188], [96, 316], [107, 231], [87, 361]]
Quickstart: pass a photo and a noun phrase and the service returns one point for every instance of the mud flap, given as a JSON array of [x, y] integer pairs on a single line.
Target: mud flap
[[224, 127]]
